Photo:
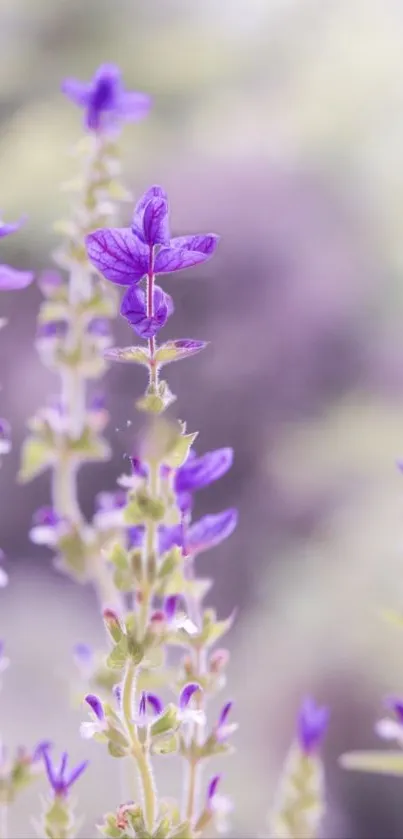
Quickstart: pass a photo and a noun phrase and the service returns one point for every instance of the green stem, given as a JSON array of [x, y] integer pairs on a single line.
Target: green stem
[[138, 750]]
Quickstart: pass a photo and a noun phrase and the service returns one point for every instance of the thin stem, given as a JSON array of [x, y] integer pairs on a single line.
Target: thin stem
[[138, 750]]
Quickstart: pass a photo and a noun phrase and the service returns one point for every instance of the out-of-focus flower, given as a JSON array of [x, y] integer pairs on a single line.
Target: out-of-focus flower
[[105, 101], [198, 472], [98, 723], [10, 278], [220, 806], [5, 436], [312, 724], [61, 780], [47, 525]]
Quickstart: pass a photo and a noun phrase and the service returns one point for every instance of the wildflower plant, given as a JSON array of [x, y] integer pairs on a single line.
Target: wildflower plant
[[142, 547]]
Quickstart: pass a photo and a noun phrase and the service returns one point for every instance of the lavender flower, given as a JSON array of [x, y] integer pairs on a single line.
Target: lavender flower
[[223, 730], [105, 101], [220, 806], [312, 725], [60, 779], [46, 529], [199, 472], [125, 255], [84, 658], [98, 723]]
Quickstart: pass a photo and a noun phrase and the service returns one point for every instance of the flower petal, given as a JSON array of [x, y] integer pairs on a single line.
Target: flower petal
[[78, 92], [186, 694], [134, 106], [211, 530], [75, 774], [6, 229], [117, 254], [96, 706], [206, 244], [201, 471], [155, 222], [12, 280], [173, 259]]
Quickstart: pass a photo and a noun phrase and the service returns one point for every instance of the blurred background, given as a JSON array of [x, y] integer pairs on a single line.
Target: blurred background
[[279, 125]]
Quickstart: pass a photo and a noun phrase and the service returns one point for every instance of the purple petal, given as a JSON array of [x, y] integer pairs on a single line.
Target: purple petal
[[173, 259], [83, 655], [49, 767], [49, 282], [138, 468], [134, 309], [100, 327], [224, 714], [155, 191], [211, 530], [395, 704], [46, 516], [6, 229], [96, 706], [63, 765], [155, 222], [75, 774], [38, 752], [312, 724], [168, 536], [77, 91], [187, 693], [117, 692], [118, 255], [134, 106], [212, 788], [155, 703], [135, 536], [170, 606], [201, 471], [13, 280], [206, 244], [142, 704]]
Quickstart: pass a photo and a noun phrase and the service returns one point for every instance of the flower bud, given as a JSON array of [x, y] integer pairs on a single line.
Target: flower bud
[[113, 625]]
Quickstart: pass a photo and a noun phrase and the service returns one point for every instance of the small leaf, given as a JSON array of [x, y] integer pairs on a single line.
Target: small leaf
[[118, 557], [118, 657], [130, 355], [180, 451], [116, 751], [176, 350], [123, 580], [386, 763], [36, 456], [165, 745]]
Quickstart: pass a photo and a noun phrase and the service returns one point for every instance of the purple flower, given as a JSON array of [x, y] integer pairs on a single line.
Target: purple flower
[[50, 282], [6, 229], [84, 658], [38, 750], [198, 472], [223, 729], [212, 788], [59, 778], [169, 536], [105, 101], [46, 517], [395, 704], [155, 704], [134, 309], [312, 725], [99, 327], [187, 693], [98, 723], [170, 606], [12, 280], [96, 706], [210, 531], [135, 536], [125, 255]]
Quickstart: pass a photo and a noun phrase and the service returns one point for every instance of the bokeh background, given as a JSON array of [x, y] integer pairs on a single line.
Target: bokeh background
[[278, 124]]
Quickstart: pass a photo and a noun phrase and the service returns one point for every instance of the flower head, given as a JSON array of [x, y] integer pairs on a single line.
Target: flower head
[[220, 806], [46, 527], [187, 712], [223, 729], [105, 102], [312, 725], [125, 255], [60, 779], [148, 702]]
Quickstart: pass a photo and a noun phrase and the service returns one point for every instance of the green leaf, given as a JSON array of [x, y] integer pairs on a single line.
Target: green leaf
[[176, 350], [36, 456], [155, 401], [122, 579], [180, 451], [118, 657], [384, 763], [118, 557], [116, 751], [165, 745], [73, 555], [130, 355], [90, 447]]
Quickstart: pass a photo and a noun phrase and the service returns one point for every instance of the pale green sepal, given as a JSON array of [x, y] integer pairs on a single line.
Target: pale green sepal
[[36, 456], [165, 745], [118, 657]]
